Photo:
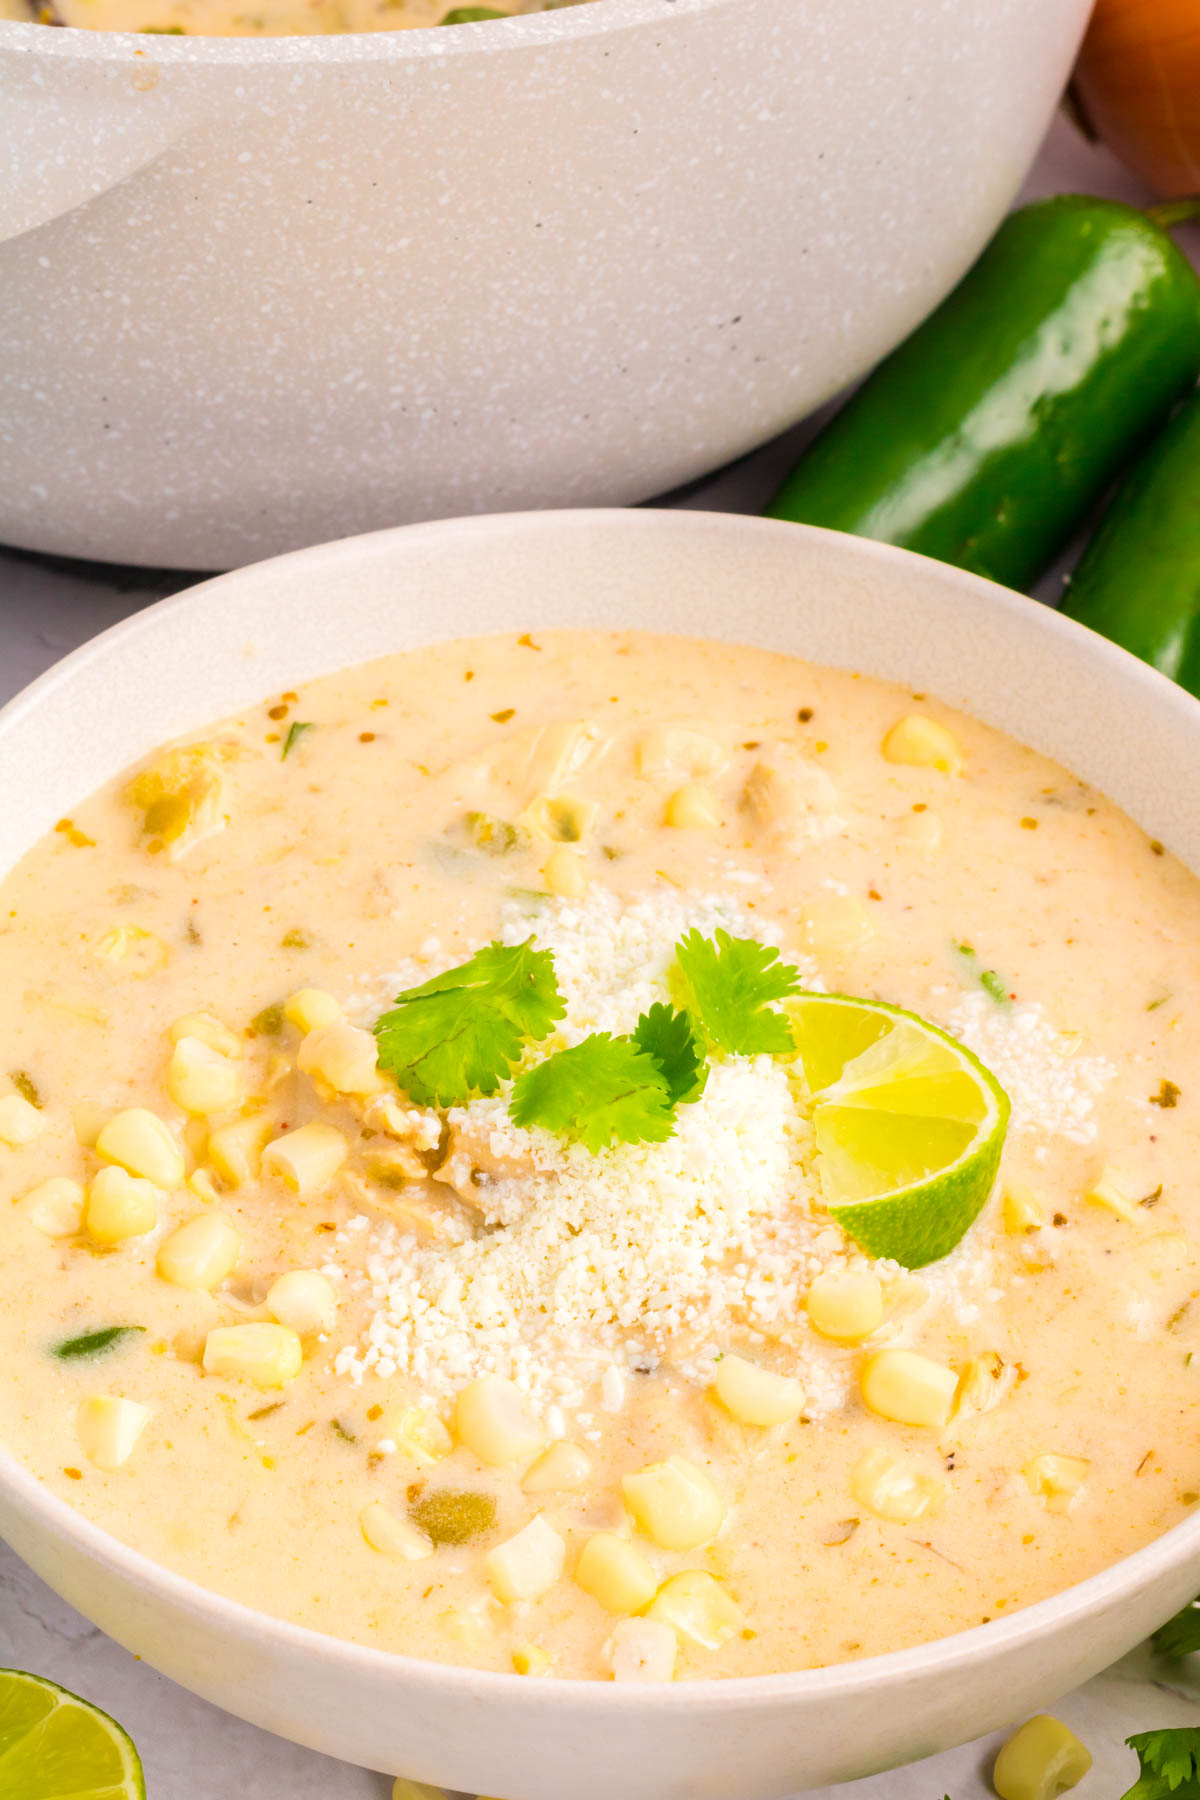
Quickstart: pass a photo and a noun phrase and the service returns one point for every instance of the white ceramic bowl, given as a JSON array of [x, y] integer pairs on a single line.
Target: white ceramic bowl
[[258, 293], [834, 599]]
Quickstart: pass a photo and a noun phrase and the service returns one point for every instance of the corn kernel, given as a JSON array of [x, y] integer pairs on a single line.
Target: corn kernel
[[55, 1207], [109, 1428], [306, 1159], [834, 925], [1058, 1480], [925, 744], [491, 1419], [1022, 1211], [268, 1355], [643, 1650], [391, 1535], [200, 1253], [527, 1565], [907, 1388], [564, 873], [922, 833], [20, 1121], [209, 1029], [1040, 1759], [235, 1150], [696, 1605], [1106, 1193], [693, 808], [985, 1381], [417, 1434], [846, 1305], [140, 1142], [304, 1300], [531, 1659], [674, 1503], [757, 1396], [563, 1468], [342, 1057], [668, 750], [201, 1080], [312, 1009], [201, 1183], [120, 1206], [894, 1490], [616, 1573], [134, 951]]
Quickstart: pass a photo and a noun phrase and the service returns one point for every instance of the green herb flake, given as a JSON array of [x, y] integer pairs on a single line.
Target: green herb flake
[[93, 1343], [729, 985], [992, 983], [1153, 1005], [269, 1022], [495, 837], [463, 1032], [295, 732], [1170, 1764], [295, 940], [1167, 1095], [1180, 1636], [673, 1041], [598, 1091], [26, 1086], [449, 1516], [339, 1430]]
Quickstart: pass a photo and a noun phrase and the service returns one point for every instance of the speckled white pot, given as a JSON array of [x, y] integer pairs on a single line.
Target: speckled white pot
[[260, 293], [835, 599]]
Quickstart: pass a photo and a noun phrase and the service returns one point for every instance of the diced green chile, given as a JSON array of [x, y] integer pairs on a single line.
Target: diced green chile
[[453, 1516]]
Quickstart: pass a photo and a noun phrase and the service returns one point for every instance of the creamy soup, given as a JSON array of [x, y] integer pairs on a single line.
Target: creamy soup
[[521, 1332], [263, 18]]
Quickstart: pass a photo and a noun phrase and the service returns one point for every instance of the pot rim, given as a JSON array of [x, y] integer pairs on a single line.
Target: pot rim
[[1119, 1582], [526, 31]]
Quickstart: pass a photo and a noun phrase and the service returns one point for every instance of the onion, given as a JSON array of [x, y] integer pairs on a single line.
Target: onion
[[1137, 85]]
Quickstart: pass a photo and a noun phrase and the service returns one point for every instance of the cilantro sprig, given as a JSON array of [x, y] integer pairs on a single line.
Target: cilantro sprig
[[671, 1038], [463, 1032], [1180, 1636], [1170, 1764], [730, 984], [603, 1089]]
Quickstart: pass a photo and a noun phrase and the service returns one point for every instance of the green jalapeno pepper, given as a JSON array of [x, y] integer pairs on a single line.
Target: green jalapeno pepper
[[1138, 581], [987, 436]]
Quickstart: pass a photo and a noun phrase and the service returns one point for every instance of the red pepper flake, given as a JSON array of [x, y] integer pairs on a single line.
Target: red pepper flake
[[74, 1474], [527, 643], [874, 894], [73, 835], [920, 806], [277, 712], [290, 697], [1167, 1095], [1029, 824], [805, 714], [468, 674], [366, 737], [504, 715]]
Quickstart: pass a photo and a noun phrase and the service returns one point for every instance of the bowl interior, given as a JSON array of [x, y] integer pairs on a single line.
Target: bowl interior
[[825, 597]]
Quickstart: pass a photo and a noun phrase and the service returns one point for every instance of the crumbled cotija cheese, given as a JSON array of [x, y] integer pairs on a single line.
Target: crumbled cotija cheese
[[610, 1262], [1052, 1090]]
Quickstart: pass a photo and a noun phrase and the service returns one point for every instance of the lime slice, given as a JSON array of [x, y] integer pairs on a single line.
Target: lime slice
[[909, 1125], [54, 1746]]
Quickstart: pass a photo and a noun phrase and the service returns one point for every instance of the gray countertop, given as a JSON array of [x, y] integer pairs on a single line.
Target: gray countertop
[[192, 1751]]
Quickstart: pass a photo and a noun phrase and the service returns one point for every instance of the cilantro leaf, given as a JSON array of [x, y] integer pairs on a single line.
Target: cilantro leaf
[[462, 1032], [1170, 1764], [296, 731], [1180, 1636], [671, 1038], [729, 983], [602, 1089]]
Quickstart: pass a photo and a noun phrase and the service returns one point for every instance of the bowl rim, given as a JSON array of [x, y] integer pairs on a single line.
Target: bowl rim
[[1008, 1634], [523, 31]]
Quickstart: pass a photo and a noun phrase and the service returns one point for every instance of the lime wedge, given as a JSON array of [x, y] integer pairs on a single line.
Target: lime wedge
[[909, 1125], [54, 1746]]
